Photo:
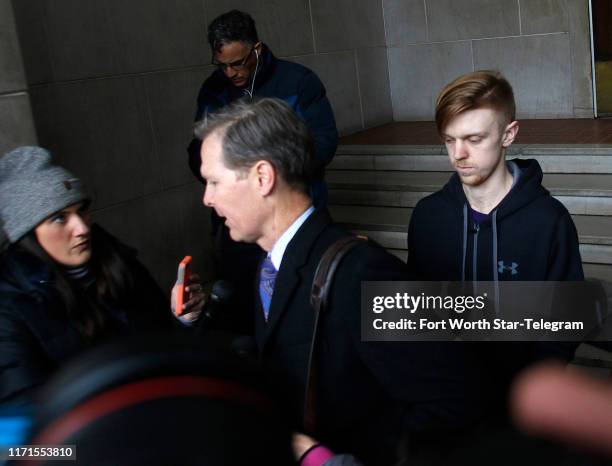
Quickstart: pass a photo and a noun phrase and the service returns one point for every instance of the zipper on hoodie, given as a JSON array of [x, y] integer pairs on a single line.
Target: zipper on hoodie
[[475, 252]]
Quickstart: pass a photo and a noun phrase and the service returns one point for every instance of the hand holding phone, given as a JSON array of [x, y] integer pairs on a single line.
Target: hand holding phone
[[183, 279]]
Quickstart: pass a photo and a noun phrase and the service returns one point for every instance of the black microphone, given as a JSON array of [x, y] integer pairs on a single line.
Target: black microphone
[[222, 291]]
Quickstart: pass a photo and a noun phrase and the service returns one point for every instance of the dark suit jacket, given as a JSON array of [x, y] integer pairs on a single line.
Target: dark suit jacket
[[369, 391]]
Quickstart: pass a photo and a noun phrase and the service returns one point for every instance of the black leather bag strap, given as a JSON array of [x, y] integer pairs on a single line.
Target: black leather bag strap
[[319, 294]]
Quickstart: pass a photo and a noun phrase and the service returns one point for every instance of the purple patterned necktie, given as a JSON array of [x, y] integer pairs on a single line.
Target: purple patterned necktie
[[267, 276]]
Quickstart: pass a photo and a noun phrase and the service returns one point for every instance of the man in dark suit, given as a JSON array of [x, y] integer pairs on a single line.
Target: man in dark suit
[[258, 160], [247, 68]]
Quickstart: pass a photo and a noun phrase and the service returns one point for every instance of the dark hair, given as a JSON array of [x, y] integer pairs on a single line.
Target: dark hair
[[264, 129], [112, 278], [233, 26], [480, 89]]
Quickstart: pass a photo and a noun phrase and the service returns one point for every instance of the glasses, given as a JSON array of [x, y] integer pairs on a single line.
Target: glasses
[[237, 65]]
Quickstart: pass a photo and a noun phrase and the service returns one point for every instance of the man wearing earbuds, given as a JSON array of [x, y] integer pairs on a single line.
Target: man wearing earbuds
[[246, 68]]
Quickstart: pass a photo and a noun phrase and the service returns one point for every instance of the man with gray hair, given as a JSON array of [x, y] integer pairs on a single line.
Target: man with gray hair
[[257, 160], [247, 68]]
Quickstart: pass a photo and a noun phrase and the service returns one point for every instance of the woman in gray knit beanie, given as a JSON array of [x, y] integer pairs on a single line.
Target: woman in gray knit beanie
[[37, 195], [65, 284]]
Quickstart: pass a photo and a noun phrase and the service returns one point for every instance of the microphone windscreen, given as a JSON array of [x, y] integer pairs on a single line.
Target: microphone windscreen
[[222, 291]]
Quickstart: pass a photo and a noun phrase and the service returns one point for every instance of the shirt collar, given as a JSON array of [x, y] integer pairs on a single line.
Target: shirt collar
[[278, 251]]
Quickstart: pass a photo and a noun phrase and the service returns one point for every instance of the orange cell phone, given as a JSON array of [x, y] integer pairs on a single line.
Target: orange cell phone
[[184, 273]]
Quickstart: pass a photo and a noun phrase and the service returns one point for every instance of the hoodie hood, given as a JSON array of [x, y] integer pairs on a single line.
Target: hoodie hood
[[525, 190]]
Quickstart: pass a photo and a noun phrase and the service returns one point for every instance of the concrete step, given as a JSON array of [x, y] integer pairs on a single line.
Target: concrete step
[[592, 158], [440, 149], [596, 254], [593, 185], [401, 254], [440, 163], [601, 272], [578, 205], [591, 229]]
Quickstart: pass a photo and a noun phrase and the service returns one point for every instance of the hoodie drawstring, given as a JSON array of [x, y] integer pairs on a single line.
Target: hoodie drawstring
[[465, 228], [495, 270]]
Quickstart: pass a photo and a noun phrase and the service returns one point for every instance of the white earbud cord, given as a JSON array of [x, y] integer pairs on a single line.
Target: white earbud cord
[[250, 93]]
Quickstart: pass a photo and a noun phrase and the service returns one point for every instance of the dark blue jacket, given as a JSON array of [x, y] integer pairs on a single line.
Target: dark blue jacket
[[297, 86], [36, 335]]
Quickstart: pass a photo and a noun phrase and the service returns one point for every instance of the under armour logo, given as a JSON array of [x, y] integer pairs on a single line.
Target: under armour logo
[[513, 267]]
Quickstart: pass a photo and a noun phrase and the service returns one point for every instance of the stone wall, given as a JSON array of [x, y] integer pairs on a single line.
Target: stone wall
[[541, 46]]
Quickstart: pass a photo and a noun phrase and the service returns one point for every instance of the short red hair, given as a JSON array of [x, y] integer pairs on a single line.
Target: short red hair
[[480, 89]]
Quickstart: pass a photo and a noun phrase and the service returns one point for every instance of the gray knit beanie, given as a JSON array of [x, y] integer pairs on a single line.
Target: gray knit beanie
[[32, 188]]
